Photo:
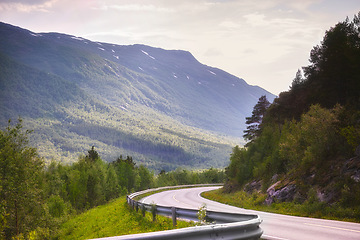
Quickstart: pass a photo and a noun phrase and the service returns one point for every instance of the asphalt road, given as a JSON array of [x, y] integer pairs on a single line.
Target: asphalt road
[[275, 226]]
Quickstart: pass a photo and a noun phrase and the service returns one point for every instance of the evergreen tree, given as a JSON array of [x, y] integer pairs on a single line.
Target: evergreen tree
[[92, 155], [297, 80], [254, 122], [334, 75]]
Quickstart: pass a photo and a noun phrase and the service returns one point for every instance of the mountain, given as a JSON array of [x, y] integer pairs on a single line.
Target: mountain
[[163, 107]]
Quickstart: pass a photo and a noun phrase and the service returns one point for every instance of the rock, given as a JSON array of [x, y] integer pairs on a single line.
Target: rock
[[271, 189], [356, 176], [283, 194], [321, 195], [351, 168], [274, 178], [253, 186]]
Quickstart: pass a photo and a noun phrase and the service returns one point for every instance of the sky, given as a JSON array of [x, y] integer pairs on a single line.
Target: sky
[[264, 42]]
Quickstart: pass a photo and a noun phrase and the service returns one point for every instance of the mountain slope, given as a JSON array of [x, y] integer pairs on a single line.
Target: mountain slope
[[81, 91], [54, 91]]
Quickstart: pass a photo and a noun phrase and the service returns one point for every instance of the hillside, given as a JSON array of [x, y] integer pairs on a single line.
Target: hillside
[[162, 107], [308, 146]]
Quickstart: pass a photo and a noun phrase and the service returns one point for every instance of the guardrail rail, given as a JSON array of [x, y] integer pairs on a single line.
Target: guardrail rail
[[224, 226]]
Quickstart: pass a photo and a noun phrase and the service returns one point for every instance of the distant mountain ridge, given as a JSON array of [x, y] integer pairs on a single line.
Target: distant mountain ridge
[[140, 91]]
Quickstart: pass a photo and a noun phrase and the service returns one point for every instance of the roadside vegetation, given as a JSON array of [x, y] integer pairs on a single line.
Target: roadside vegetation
[[114, 219], [35, 198], [310, 208]]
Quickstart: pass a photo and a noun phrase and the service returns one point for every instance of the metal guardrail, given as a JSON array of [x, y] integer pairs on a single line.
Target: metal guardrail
[[224, 225]]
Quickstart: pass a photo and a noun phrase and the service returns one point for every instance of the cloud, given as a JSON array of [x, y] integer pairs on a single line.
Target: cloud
[[304, 5], [25, 2], [256, 19], [249, 51], [231, 25], [27, 6], [213, 52], [136, 8]]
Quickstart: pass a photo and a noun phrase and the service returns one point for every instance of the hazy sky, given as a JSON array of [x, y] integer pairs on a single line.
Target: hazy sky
[[262, 41]]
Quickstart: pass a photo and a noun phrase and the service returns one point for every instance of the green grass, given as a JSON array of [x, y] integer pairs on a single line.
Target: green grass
[[314, 209], [114, 219]]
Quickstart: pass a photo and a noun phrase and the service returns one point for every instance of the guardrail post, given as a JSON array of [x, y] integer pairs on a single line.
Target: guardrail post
[[137, 206], [153, 211], [173, 214], [143, 209]]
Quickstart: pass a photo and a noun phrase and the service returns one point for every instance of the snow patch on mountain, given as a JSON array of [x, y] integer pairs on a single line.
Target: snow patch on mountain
[[35, 35], [78, 38], [212, 72], [147, 54]]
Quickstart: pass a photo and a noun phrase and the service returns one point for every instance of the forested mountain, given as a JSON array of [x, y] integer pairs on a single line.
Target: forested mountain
[[307, 147], [162, 107]]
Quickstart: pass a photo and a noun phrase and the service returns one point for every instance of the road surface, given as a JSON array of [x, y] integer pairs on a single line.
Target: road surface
[[275, 226]]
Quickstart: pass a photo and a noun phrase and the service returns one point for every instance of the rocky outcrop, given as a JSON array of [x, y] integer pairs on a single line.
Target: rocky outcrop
[[316, 185], [254, 186], [282, 194], [351, 167]]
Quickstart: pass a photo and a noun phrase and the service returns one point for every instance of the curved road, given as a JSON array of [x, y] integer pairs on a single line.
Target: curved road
[[275, 226]]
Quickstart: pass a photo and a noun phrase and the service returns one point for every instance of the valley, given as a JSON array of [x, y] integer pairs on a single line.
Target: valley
[[162, 107]]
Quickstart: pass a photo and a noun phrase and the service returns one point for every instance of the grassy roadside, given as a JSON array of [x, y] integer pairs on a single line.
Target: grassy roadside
[[113, 219], [310, 208]]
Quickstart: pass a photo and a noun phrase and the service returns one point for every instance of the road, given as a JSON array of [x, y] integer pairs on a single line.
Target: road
[[275, 226]]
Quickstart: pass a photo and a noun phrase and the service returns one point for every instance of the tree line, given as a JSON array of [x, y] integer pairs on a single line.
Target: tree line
[[36, 197]]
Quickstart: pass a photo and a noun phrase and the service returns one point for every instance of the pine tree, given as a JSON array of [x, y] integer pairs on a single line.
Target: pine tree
[[92, 155], [297, 80], [253, 129], [334, 75]]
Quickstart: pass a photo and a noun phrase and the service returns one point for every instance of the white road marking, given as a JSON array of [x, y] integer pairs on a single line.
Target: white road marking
[[324, 226], [144, 199], [272, 237]]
